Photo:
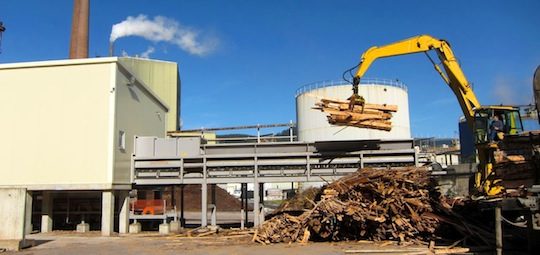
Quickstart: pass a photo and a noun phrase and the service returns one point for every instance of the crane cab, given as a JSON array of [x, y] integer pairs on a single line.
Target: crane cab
[[484, 116]]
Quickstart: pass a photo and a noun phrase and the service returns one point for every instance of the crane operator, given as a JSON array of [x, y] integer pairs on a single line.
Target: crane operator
[[495, 127]]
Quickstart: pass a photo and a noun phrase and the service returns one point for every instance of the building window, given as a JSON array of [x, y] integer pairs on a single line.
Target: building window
[[122, 140]]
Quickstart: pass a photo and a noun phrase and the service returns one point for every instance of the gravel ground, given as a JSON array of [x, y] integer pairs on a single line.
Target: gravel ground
[[150, 243]]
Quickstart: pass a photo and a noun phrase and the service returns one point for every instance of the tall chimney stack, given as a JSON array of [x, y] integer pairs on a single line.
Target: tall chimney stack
[[78, 47], [111, 49]]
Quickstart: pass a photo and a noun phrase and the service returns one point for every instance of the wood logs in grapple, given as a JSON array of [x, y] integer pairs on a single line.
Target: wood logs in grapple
[[373, 116]]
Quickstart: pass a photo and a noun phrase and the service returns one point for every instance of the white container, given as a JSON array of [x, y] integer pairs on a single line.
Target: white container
[[313, 124]]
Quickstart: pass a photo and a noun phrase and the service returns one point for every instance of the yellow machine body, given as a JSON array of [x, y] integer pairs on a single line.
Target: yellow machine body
[[477, 116]]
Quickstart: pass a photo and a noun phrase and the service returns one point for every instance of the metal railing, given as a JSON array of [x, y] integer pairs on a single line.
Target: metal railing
[[258, 137], [365, 81]]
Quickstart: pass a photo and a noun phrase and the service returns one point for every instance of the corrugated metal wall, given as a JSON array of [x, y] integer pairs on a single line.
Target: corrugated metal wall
[[163, 78]]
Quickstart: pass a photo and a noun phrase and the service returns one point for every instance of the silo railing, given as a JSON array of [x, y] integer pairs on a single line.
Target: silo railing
[[365, 81]]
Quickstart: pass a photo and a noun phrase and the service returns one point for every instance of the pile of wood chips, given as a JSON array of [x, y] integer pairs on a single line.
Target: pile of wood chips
[[371, 204], [373, 116]]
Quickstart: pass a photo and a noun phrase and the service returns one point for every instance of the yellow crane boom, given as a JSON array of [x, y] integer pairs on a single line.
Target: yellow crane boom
[[477, 116], [450, 72]]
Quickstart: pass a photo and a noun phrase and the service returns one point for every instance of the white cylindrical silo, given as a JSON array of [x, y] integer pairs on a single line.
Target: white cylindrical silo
[[313, 124]]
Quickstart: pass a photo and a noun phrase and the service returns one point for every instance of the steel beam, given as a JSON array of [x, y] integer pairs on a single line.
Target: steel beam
[[204, 204], [498, 230]]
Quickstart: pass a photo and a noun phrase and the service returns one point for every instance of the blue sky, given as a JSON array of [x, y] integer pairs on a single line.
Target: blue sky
[[265, 50]]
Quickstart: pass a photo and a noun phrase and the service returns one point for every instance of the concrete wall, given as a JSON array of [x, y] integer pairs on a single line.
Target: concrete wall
[[458, 180], [61, 121], [12, 213]]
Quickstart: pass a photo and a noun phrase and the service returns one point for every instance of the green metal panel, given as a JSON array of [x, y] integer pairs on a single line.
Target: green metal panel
[[163, 78]]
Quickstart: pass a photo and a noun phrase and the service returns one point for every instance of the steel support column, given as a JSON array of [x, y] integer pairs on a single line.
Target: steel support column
[[182, 218], [245, 203], [498, 230], [204, 204], [256, 204], [256, 191], [204, 196]]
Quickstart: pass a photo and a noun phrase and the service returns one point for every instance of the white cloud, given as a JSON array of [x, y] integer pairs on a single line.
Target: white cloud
[[163, 29]]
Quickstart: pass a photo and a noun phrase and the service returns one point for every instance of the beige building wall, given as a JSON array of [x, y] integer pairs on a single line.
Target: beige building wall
[[138, 113], [61, 121], [163, 78], [55, 124]]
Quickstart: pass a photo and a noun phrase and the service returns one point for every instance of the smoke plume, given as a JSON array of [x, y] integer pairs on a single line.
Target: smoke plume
[[144, 54], [147, 53], [509, 90], [163, 29]]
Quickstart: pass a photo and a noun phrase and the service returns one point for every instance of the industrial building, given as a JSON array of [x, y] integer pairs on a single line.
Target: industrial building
[[96, 129], [80, 134], [85, 133], [69, 128], [96, 144], [260, 163]]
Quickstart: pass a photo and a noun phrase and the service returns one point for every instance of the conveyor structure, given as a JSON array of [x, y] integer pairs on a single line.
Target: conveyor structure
[[164, 161], [188, 160]]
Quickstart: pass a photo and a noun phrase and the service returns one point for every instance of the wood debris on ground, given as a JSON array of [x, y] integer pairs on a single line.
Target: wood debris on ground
[[373, 116], [372, 204], [411, 251], [215, 232]]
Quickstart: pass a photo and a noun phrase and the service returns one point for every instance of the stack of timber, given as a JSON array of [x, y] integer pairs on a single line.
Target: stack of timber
[[515, 170], [515, 161], [373, 116], [372, 204]]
